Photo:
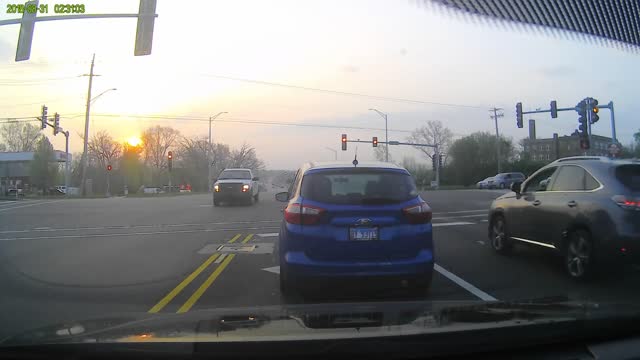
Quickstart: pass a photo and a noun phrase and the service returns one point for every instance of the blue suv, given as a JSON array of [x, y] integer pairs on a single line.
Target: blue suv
[[346, 222]]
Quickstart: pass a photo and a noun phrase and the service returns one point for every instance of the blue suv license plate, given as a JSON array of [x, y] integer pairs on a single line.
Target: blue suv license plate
[[363, 233]]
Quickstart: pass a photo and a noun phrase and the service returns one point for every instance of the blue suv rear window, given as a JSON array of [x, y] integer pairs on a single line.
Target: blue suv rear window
[[629, 175], [358, 186]]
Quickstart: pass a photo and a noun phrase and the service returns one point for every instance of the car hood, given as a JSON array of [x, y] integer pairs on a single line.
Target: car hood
[[234, 181], [320, 322]]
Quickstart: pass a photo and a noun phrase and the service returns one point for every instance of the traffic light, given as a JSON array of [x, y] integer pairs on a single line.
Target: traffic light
[[584, 143], [375, 141], [583, 127], [344, 142], [144, 31], [109, 167], [170, 160], [594, 111], [554, 109], [56, 124], [440, 162], [44, 117], [433, 162], [519, 120]]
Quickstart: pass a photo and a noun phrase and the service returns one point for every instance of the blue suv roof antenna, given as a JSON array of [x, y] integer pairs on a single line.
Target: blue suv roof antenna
[[355, 158]]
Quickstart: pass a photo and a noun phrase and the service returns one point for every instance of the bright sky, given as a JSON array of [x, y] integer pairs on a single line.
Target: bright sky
[[383, 48]]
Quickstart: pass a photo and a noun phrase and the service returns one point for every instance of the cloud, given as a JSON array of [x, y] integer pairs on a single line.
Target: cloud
[[558, 71], [350, 69], [403, 51]]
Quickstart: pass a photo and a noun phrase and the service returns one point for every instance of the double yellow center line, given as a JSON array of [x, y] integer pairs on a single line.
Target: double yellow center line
[[205, 285]]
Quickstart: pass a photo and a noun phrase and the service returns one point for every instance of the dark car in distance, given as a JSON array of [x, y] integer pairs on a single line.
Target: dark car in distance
[[586, 209], [504, 180]]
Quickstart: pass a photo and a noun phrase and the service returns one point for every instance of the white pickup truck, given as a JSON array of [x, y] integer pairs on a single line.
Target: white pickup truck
[[236, 185]]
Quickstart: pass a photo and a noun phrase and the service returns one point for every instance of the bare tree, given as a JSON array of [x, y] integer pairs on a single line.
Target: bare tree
[[104, 149], [246, 157], [156, 141], [20, 136], [432, 133], [380, 153], [194, 159]]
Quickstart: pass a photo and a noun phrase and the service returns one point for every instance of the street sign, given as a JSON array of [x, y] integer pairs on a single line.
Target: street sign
[[25, 37], [614, 149]]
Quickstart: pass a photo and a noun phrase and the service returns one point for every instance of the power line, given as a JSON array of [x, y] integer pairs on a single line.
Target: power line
[[246, 121], [337, 92]]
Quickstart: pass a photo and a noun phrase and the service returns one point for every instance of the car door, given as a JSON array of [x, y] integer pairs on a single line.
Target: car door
[[526, 213], [561, 205]]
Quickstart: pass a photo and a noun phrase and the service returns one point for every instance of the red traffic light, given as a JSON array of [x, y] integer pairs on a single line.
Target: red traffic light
[[375, 141], [344, 142], [109, 167], [170, 155]]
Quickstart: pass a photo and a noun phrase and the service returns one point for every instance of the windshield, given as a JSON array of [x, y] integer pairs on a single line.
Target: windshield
[[235, 174], [174, 160]]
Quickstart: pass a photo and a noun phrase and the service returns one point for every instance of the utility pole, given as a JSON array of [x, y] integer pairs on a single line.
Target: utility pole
[[66, 163], [386, 132], [495, 118], [211, 118], [83, 188]]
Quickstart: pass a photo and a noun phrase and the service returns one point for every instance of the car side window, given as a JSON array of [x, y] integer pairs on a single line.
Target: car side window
[[569, 178], [590, 183], [540, 181]]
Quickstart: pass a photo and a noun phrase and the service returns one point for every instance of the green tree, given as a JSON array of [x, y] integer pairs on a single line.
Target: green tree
[[131, 168], [44, 168], [473, 158]]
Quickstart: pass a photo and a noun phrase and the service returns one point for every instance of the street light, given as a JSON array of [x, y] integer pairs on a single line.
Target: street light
[[102, 93], [386, 132], [211, 118], [335, 152]]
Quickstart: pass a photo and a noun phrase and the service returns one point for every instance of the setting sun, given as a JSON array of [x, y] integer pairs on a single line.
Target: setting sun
[[134, 141]]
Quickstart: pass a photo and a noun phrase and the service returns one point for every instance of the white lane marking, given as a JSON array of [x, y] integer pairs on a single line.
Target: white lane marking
[[33, 204], [205, 205], [460, 212], [220, 258], [465, 285], [449, 275], [273, 269], [132, 234], [268, 235], [460, 216], [484, 220], [456, 223], [115, 227], [481, 242]]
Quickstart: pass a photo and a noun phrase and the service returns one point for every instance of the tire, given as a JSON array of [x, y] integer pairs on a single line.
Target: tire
[[502, 185], [579, 259], [285, 284], [499, 236]]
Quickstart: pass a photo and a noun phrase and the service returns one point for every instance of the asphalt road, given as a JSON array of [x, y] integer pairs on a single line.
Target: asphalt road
[[66, 260]]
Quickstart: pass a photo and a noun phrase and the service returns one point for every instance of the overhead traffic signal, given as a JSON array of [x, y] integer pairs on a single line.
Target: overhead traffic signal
[[344, 142], [440, 162], [44, 117], [554, 109], [375, 141], [56, 124], [434, 160], [170, 160], [594, 111], [519, 120], [109, 167], [583, 120]]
